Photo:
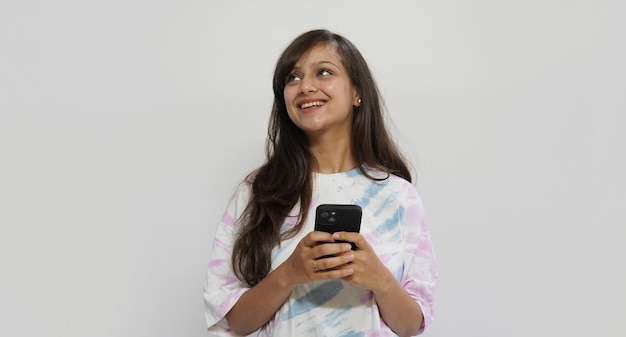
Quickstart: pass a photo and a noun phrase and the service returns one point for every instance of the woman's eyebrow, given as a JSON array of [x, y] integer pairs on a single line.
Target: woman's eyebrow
[[325, 62], [297, 68]]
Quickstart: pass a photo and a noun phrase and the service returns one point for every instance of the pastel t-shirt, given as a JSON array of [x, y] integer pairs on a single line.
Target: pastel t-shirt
[[394, 224]]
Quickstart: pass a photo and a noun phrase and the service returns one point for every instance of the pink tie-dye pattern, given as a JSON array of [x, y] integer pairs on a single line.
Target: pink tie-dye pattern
[[218, 243], [216, 262], [424, 246], [412, 237], [372, 238], [228, 220], [229, 301], [229, 281], [422, 295], [314, 201], [413, 215], [377, 334], [291, 221]]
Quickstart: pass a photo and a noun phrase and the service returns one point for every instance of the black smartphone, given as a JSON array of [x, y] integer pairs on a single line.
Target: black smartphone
[[338, 218]]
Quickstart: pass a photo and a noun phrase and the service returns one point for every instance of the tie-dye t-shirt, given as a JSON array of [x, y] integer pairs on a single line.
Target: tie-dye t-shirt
[[393, 223]]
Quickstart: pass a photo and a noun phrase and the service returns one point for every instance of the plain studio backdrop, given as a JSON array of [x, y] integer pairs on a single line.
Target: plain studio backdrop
[[125, 126]]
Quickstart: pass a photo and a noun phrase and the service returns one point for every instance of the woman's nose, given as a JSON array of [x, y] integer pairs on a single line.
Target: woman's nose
[[307, 86]]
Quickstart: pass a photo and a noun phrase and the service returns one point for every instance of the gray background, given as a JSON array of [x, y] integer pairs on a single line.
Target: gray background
[[125, 126]]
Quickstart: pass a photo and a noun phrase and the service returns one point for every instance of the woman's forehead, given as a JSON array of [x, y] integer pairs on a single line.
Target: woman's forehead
[[321, 53]]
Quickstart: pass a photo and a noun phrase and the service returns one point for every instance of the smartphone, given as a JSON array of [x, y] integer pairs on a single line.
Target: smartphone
[[338, 218]]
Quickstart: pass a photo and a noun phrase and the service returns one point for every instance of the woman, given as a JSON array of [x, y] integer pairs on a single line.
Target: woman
[[327, 143]]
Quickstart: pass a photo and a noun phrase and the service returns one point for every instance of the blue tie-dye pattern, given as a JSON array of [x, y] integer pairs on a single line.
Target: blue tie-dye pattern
[[399, 272], [314, 298], [352, 333], [384, 206], [392, 222], [331, 320], [334, 316], [353, 173], [370, 192], [311, 330], [284, 228]]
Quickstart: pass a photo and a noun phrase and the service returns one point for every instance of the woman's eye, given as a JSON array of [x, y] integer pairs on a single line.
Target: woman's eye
[[292, 78], [325, 72]]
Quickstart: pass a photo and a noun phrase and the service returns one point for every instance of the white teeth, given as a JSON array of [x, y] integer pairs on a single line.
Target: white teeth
[[310, 104]]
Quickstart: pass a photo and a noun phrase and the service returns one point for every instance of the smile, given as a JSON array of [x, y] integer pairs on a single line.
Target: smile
[[310, 104]]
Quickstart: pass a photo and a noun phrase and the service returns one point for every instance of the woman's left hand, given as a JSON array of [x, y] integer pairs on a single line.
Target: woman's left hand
[[369, 272]]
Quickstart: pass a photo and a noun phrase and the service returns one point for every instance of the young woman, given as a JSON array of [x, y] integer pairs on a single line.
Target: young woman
[[327, 143]]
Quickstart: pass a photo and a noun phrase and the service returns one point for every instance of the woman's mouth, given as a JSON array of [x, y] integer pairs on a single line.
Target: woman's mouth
[[307, 105]]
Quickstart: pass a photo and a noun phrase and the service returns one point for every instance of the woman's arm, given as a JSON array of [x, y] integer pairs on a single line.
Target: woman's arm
[[399, 311], [259, 304]]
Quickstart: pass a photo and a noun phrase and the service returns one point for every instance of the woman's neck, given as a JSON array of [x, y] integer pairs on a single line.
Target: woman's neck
[[333, 157]]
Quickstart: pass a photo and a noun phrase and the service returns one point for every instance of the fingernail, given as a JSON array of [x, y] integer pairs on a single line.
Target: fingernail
[[350, 257], [347, 246]]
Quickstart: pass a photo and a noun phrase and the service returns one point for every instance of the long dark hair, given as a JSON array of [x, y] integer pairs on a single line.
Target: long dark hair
[[286, 177]]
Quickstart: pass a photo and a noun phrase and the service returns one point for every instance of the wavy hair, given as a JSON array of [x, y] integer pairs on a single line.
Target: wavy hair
[[285, 179]]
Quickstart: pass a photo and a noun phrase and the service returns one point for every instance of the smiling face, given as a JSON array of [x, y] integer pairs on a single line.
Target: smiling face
[[319, 95]]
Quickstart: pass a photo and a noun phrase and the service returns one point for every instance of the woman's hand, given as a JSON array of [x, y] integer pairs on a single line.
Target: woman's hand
[[399, 311], [259, 304], [317, 257], [368, 272]]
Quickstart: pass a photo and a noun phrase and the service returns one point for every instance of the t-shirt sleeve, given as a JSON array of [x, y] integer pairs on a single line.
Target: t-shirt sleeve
[[222, 288], [419, 277]]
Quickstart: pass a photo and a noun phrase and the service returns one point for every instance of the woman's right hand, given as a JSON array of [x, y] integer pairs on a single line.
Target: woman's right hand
[[315, 258], [259, 304]]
